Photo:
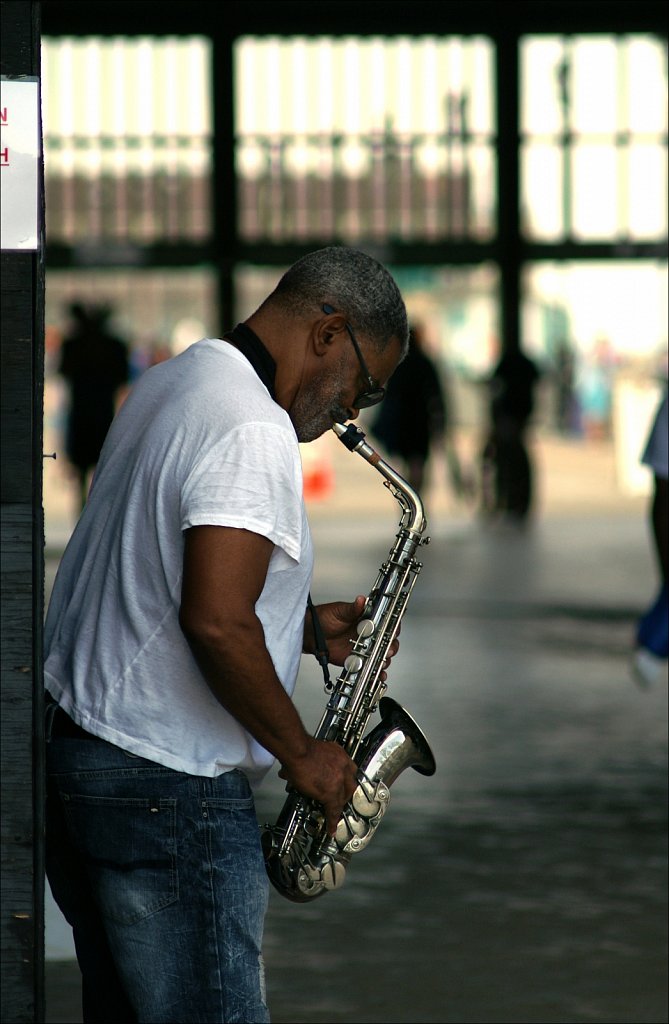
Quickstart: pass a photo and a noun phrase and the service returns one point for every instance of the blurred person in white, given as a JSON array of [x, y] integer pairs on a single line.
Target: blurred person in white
[[652, 636], [173, 641]]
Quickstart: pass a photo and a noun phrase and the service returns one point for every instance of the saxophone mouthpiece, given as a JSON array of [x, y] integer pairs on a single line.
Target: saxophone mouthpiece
[[349, 435]]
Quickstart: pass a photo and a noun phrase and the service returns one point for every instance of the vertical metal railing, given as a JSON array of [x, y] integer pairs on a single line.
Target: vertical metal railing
[[406, 187]]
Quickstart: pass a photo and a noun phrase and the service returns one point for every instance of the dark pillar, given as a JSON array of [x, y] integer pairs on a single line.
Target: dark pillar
[[224, 185], [508, 187], [22, 585]]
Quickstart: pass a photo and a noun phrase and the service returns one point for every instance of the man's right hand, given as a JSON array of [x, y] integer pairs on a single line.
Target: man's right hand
[[325, 773]]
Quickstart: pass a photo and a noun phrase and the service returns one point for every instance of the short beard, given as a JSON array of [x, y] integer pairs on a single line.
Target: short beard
[[318, 407]]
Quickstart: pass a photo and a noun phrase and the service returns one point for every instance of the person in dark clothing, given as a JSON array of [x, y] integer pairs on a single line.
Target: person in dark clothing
[[566, 413], [95, 364], [652, 629], [412, 417], [507, 470]]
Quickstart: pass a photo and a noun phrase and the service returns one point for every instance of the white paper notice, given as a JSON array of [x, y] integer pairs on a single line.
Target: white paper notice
[[19, 162]]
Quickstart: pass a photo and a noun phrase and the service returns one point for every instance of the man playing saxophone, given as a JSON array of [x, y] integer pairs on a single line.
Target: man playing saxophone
[[173, 640]]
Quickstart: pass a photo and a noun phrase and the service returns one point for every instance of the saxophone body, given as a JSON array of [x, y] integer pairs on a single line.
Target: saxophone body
[[302, 861]]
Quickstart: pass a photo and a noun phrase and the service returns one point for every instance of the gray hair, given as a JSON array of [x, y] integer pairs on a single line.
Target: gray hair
[[354, 284]]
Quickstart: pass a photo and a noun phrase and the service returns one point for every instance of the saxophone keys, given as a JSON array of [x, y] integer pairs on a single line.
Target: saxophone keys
[[353, 663], [343, 833], [354, 826], [309, 881], [383, 793], [365, 628], [364, 805], [332, 875]]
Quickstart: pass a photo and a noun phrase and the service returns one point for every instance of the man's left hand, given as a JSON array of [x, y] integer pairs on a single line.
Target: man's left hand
[[338, 621]]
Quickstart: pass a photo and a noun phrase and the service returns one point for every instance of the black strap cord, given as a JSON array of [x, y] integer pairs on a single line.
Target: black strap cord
[[321, 652], [250, 345]]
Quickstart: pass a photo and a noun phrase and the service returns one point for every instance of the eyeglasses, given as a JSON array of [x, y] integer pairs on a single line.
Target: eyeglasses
[[374, 394]]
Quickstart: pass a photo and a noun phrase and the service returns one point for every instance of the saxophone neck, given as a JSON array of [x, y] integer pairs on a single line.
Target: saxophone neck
[[414, 519]]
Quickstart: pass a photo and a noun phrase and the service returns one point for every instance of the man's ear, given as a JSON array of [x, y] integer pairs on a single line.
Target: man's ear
[[327, 332]]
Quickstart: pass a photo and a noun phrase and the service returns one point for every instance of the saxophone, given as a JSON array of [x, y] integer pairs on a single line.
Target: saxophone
[[302, 860]]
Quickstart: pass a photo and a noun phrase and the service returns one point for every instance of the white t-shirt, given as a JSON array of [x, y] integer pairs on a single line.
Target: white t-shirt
[[656, 454], [199, 441]]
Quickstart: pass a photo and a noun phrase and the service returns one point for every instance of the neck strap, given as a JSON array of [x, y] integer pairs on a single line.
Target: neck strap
[[250, 345]]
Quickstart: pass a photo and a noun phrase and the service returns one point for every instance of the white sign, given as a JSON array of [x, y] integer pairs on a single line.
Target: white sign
[[19, 163]]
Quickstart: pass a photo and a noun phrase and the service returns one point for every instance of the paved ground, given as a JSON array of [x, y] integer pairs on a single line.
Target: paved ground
[[526, 881]]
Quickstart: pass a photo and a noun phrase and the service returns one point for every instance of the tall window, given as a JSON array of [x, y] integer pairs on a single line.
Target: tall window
[[365, 138], [127, 139], [594, 138], [594, 170]]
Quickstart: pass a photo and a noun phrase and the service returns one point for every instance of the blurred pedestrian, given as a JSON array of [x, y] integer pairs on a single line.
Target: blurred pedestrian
[[595, 388], [566, 411], [413, 417], [507, 475], [94, 363], [652, 637]]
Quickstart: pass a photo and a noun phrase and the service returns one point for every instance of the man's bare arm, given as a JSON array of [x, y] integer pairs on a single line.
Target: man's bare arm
[[224, 573]]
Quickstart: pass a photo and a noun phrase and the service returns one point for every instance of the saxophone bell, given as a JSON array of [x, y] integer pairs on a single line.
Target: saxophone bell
[[395, 744]]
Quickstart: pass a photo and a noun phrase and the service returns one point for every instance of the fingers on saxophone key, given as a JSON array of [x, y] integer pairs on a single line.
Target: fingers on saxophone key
[[332, 815]]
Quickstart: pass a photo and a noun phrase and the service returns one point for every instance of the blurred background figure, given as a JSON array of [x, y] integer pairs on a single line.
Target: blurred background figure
[[507, 471], [595, 387], [566, 405], [653, 628], [95, 365], [413, 417]]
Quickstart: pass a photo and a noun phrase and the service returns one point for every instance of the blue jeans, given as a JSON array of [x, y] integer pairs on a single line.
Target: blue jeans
[[162, 878]]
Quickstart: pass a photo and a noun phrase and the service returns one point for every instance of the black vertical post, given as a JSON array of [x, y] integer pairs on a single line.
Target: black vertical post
[[22, 583], [508, 186], [224, 185]]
